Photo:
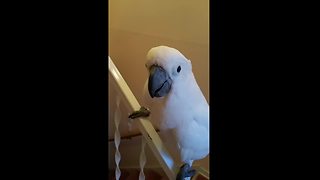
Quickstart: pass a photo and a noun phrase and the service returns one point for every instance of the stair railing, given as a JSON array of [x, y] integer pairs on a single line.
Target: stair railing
[[146, 128]]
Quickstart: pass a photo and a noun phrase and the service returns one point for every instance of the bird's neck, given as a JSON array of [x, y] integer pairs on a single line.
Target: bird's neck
[[188, 89]]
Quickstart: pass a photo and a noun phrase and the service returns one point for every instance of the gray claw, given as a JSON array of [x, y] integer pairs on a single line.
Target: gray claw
[[185, 171], [143, 112]]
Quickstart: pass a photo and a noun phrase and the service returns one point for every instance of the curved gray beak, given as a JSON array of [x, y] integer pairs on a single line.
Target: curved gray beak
[[159, 82]]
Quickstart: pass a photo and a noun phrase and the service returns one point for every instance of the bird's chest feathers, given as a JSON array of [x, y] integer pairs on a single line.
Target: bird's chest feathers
[[177, 110]]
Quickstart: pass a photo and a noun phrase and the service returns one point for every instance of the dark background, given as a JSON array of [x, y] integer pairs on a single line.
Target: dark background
[[55, 90]]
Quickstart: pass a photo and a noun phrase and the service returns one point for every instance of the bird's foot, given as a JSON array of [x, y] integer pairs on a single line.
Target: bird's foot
[[185, 171], [143, 112]]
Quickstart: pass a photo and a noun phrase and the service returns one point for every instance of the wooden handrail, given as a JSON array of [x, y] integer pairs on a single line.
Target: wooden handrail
[[146, 128]]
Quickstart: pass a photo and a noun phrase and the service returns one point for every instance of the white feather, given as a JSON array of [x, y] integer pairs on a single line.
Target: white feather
[[184, 111]]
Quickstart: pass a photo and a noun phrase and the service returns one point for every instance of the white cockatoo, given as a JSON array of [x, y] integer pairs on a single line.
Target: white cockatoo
[[176, 105]]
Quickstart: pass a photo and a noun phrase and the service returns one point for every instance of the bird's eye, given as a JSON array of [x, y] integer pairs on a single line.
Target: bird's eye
[[178, 69]]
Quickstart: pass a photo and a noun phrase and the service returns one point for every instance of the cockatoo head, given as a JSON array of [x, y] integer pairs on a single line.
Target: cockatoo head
[[166, 66]]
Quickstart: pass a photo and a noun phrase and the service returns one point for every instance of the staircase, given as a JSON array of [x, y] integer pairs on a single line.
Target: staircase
[[160, 164], [150, 173]]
